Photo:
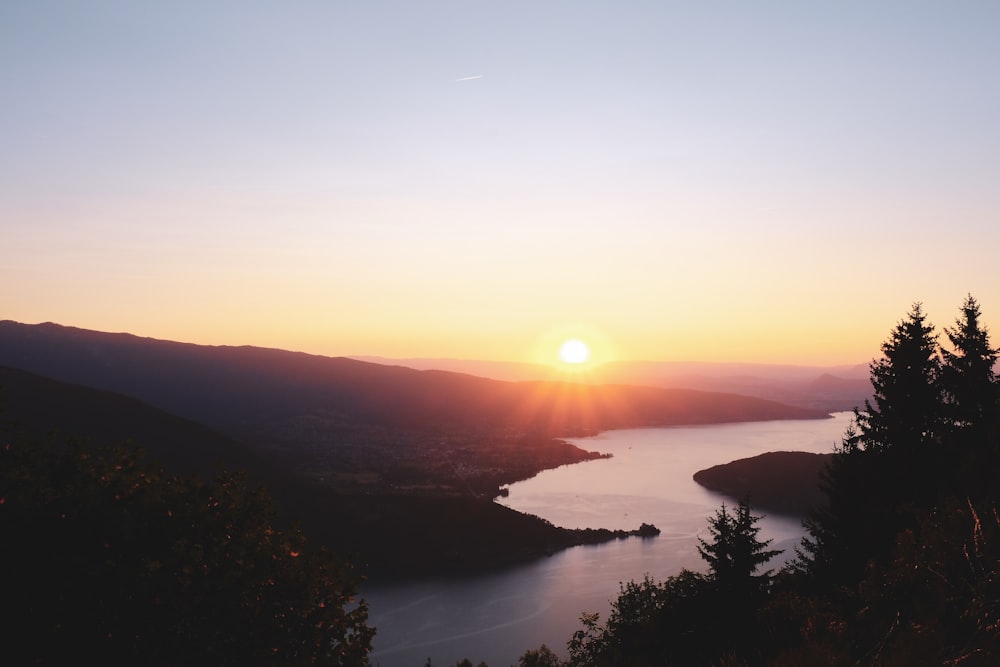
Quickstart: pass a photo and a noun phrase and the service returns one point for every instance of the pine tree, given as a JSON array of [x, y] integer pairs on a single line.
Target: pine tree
[[907, 401], [891, 457], [736, 553], [967, 378]]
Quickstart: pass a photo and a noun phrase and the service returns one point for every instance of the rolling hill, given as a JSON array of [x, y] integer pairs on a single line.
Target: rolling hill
[[242, 388], [44, 408], [369, 458], [780, 482], [826, 388], [376, 531], [369, 426]]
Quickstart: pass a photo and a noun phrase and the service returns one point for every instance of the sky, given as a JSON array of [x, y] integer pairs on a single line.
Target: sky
[[771, 182]]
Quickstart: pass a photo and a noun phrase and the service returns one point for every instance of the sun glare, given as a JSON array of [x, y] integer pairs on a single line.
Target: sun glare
[[574, 351]]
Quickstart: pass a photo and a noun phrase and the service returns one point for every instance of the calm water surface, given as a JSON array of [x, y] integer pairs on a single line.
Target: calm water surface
[[496, 617]]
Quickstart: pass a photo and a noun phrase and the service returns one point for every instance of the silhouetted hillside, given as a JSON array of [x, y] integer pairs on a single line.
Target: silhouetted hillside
[[41, 408], [45, 409], [827, 388], [833, 385], [511, 371], [378, 531], [781, 482], [372, 427], [241, 388]]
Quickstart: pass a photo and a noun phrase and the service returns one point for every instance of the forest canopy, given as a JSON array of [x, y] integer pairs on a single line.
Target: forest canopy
[[106, 555]]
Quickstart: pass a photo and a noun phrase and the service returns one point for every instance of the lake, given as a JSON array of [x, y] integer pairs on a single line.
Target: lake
[[496, 617]]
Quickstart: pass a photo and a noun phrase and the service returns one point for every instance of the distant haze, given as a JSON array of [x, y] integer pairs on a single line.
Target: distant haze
[[624, 372], [832, 388]]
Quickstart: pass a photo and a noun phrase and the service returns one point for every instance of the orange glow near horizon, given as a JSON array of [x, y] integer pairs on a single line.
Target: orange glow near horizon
[[778, 343], [750, 332], [439, 217]]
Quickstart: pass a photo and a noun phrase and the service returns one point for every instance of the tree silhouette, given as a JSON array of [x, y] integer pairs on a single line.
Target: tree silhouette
[[543, 656], [884, 555], [906, 412], [968, 382], [889, 457], [105, 555], [900, 566], [691, 618], [735, 553]]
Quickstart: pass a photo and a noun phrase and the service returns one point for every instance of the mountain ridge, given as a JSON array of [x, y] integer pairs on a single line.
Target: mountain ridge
[[278, 380], [373, 427], [377, 532], [373, 457], [828, 388]]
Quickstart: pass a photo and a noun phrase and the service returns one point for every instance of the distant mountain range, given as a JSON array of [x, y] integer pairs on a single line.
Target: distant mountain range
[[376, 531], [42, 408], [827, 388], [251, 392], [370, 455]]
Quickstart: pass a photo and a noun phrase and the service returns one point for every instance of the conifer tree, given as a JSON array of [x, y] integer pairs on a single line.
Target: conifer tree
[[967, 378], [736, 553], [900, 452], [886, 458], [906, 412]]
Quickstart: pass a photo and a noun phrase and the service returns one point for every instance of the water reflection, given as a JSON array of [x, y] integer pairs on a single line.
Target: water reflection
[[496, 617]]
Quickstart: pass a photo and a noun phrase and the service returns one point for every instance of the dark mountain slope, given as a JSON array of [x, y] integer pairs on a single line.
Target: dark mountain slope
[[780, 482], [387, 535], [43, 408], [245, 389], [365, 427]]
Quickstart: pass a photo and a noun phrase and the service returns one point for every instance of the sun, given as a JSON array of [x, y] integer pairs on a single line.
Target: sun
[[574, 351]]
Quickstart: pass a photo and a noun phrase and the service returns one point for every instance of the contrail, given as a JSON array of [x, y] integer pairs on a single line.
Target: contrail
[[469, 78]]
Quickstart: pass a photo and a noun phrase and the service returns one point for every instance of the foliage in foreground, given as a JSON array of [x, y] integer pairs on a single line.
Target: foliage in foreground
[[691, 618], [107, 556]]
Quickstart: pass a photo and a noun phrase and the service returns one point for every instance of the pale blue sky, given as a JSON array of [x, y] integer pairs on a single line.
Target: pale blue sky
[[750, 181]]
